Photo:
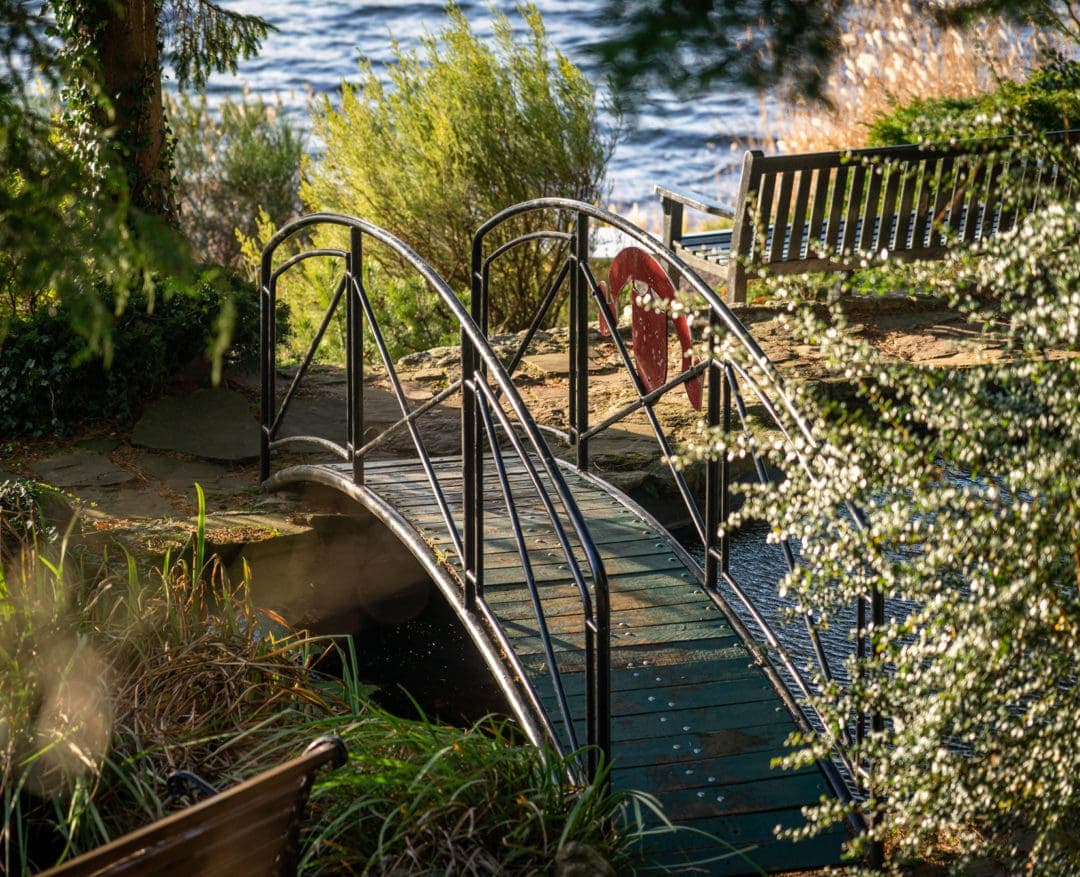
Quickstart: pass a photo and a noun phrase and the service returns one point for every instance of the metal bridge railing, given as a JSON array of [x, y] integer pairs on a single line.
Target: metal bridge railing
[[728, 380], [495, 422]]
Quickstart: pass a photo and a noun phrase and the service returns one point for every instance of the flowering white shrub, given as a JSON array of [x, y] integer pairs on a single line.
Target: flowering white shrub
[[969, 483]]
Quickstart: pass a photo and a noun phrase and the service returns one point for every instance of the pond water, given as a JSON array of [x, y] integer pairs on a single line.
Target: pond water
[[673, 141]]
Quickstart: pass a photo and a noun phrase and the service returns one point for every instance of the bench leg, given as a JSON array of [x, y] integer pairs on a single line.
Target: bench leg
[[672, 230], [736, 291]]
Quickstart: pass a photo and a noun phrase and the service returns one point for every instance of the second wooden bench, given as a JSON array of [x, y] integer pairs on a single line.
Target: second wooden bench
[[818, 212]]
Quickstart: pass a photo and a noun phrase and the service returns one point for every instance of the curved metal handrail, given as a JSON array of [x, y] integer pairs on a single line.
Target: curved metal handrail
[[486, 387], [724, 394]]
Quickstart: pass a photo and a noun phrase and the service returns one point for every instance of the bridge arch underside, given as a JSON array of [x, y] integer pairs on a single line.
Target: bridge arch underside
[[696, 721]]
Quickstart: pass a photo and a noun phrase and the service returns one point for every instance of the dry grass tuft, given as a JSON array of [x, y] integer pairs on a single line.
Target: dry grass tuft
[[893, 53]]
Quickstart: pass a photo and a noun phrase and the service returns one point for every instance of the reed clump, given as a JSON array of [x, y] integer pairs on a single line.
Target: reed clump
[[893, 53]]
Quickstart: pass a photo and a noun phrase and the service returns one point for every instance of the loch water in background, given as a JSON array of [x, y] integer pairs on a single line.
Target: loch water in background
[[688, 143]]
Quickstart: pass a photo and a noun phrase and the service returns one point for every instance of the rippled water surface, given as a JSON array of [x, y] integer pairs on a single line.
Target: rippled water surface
[[672, 141]]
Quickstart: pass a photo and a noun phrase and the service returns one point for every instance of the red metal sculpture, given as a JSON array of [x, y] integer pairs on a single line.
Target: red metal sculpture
[[648, 282]]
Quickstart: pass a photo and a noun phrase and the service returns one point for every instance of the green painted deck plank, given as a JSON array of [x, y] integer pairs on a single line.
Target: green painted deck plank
[[523, 637], [741, 758], [626, 621], [618, 583], [614, 566], [760, 828], [663, 599], [682, 675], [768, 854], [761, 796], [749, 719], [664, 657]]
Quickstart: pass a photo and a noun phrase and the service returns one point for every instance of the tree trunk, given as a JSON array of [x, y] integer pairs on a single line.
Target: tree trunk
[[126, 45]]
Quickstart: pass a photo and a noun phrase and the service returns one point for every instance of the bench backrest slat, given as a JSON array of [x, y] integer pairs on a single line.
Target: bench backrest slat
[[871, 209], [854, 209], [833, 237], [798, 215], [909, 179], [766, 193], [817, 230], [781, 214], [889, 219]]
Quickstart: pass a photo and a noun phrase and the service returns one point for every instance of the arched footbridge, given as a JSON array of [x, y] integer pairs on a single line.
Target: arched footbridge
[[609, 637]]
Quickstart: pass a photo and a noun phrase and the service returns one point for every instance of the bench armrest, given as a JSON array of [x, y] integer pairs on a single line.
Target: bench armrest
[[698, 202]]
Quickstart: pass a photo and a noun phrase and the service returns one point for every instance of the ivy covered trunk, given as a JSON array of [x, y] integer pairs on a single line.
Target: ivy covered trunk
[[125, 39]]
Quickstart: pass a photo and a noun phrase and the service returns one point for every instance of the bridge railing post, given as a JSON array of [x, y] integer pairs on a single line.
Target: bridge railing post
[[471, 432], [579, 344], [717, 486], [354, 360], [267, 333]]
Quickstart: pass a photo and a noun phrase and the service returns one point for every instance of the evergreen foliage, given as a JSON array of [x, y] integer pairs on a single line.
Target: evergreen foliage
[[48, 383]]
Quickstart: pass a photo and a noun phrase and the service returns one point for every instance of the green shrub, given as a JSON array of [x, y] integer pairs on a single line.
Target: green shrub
[[229, 163], [1049, 100], [464, 129], [969, 481], [48, 382]]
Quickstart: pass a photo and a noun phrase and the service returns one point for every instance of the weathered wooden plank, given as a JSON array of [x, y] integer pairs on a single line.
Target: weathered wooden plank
[[643, 627], [889, 221], [500, 593], [615, 566], [943, 190], [744, 689]]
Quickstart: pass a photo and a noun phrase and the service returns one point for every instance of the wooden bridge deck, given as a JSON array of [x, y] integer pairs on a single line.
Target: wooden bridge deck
[[694, 720]]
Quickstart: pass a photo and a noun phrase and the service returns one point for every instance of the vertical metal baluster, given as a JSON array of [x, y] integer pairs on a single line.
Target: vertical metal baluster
[[715, 470], [267, 355], [471, 432], [579, 344], [354, 316]]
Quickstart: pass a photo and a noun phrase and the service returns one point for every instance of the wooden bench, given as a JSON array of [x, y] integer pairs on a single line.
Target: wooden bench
[[818, 212], [251, 829]]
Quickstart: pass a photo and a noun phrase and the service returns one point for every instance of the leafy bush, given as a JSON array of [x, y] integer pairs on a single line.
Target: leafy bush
[[969, 481], [1048, 101], [464, 130], [228, 165], [48, 383]]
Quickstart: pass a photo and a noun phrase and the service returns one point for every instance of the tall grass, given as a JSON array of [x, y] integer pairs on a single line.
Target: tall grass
[[893, 52], [111, 677]]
